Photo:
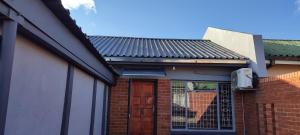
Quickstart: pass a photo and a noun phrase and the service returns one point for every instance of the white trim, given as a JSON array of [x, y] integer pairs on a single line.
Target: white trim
[[186, 105], [193, 130], [287, 62], [233, 109], [218, 129], [284, 62], [218, 107]]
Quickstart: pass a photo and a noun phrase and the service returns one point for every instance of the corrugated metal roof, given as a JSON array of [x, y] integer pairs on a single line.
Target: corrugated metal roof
[[281, 48], [161, 48]]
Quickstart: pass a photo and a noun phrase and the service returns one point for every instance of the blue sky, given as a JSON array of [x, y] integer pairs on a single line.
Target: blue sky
[[279, 19]]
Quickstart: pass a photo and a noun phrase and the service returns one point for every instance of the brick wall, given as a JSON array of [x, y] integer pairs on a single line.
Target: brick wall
[[238, 113], [204, 105], [163, 107], [118, 108], [275, 108]]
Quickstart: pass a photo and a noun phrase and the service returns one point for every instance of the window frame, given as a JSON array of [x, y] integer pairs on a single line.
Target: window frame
[[186, 129]]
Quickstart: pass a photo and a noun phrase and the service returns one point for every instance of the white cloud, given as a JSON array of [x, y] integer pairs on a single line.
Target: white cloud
[[75, 4], [298, 5]]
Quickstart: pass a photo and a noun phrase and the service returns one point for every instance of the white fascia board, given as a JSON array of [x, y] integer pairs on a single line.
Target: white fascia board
[[283, 62]]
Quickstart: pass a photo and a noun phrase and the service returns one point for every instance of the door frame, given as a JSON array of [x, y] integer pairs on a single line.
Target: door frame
[[154, 124]]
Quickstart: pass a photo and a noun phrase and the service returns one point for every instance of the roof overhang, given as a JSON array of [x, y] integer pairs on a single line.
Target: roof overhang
[[175, 61], [93, 64]]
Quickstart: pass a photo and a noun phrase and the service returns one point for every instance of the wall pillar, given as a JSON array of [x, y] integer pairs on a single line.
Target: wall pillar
[[9, 33], [164, 106]]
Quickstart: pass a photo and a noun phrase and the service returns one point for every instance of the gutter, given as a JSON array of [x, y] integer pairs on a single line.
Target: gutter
[[166, 61]]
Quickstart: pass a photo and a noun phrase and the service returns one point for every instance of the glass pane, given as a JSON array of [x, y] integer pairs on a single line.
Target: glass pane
[[201, 86], [225, 106], [194, 105], [202, 106], [178, 105]]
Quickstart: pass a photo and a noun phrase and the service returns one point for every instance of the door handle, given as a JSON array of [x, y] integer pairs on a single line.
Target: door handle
[[153, 109]]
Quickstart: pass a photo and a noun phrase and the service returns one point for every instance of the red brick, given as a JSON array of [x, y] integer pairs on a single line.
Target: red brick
[[119, 108], [283, 92]]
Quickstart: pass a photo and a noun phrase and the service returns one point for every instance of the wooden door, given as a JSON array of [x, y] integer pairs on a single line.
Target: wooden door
[[142, 108]]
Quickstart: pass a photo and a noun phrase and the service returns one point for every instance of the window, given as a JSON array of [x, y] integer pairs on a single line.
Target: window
[[178, 105], [200, 105]]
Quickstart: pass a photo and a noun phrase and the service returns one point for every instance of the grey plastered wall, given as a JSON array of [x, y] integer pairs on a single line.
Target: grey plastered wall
[[191, 72], [99, 108], [36, 12], [199, 73], [81, 106], [245, 44], [37, 91]]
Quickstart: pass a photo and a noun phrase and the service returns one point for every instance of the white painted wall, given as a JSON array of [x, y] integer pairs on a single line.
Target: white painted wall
[[82, 94], [277, 70], [99, 108], [245, 44], [37, 91]]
